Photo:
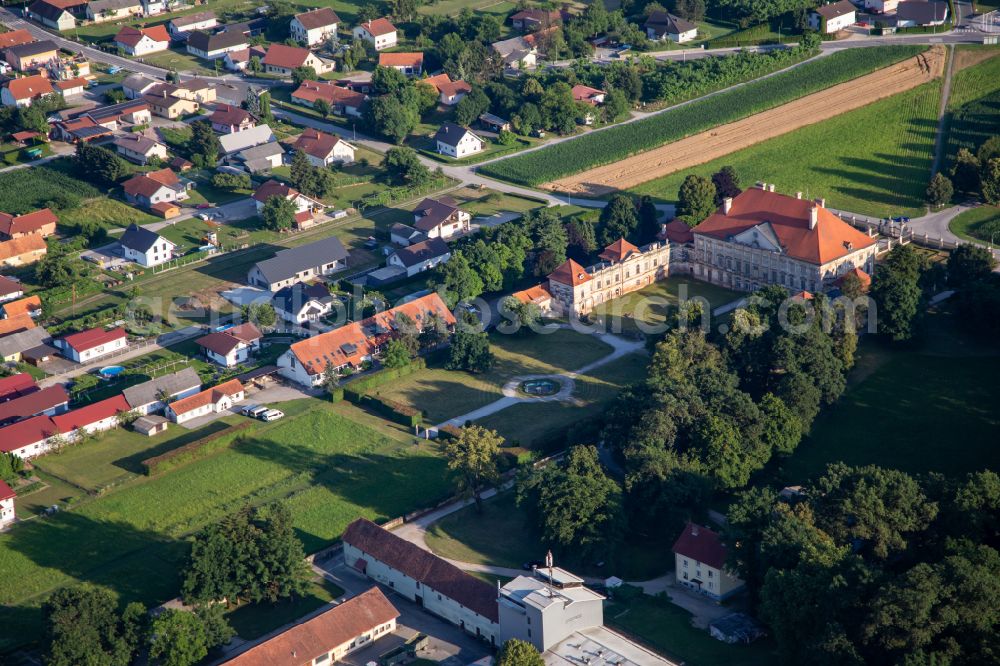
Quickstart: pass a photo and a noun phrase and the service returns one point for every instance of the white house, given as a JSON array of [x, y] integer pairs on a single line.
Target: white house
[[92, 344], [161, 186], [185, 24], [301, 303], [136, 85], [910, 13], [6, 505], [700, 563], [314, 27], [216, 45], [881, 6], [152, 396], [833, 17], [214, 400], [139, 148], [140, 41], [153, 7], [450, 92], [146, 248], [662, 26], [227, 119], [231, 346], [328, 637], [94, 418], [100, 11], [438, 586], [324, 149], [275, 188], [380, 32], [441, 218], [236, 142], [410, 64], [420, 257], [25, 90], [457, 141], [299, 264], [282, 60]]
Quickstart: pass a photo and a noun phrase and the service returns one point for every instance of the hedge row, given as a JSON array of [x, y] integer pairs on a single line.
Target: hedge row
[[622, 141], [194, 450], [398, 412], [376, 379]]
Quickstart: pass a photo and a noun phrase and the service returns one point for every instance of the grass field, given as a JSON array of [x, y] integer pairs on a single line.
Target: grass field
[[929, 408], [981, 223], [973, 106], [856, 161], [329, 469], [652, 304]]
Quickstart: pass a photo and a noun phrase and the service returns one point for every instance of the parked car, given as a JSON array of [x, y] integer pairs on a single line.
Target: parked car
[[272, 415], [255, 411]]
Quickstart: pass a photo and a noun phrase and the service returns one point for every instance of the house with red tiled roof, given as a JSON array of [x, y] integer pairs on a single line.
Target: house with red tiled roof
[[326, 638], [864, 278], [41, 222], [25, 90], [23, 250], [534, 19], [380, 32], [342, 101], [418, 575], [94, 418], [282, 60], [227, 119], [213, 400], [314, 27], [92, 344], [588, 95], [28, 438], [232, 346], [49, 401], [762, 237], [14, 386], [449, 92], [140, 41], [352, 344], [410, 64], [163, 185], [324, 149], [700, 563], [15, 38], [29, 305], [6, 505]]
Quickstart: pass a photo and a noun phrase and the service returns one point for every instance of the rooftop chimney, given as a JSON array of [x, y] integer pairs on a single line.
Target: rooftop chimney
[[761, 184], [821, 203], [813, 217], [727, 205], [770, 188], [798, 195]]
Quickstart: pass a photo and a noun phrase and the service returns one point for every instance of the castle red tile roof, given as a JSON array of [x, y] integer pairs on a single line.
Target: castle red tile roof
[[676, 231], [85, 416], [318, 635], [620, 250], [789, 218], [866, 280], [432, 571], [701, 544], [93, 337], [570, 273]]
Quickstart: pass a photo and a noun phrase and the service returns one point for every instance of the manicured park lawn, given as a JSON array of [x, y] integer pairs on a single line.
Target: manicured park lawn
[[328, 468], [856, 161], [981, 223], [652, 305]]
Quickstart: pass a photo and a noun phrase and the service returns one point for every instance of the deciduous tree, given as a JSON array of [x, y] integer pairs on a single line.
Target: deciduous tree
[[695, 199], [472, 456]]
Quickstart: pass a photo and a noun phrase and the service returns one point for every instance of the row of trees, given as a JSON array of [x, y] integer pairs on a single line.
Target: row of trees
[[977, 174]]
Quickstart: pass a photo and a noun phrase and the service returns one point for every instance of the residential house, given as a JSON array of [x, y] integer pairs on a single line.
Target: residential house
[[517, 52], [163, 101], [314, 27], [301, 302], [450, 92], [42, 222], [299, 264], [700, 563], [14, 386], [66, 67], [762, 237], [146, 248], [152, 396], [94, 418], [457, 141], [29, 438], [30, 343], [139, 148], [79, 130], [662, 26], [304, 206], [227, 119], [410, 64], [913, 13], [380, 32], [239, 141], [146, 189], [15, 38], [154, 7], [92, 344], [232, 346], [252, 28], [258, 159], [404, 235], [215, 45], [71, 87], [420, 257], [324, 149], [29, 305], [214, 400], [57, 14], [342, 101], [328, 637], [182, 25], [353, 344], [136, 85], [441, 218], [881, 6], [548, 607], [833, 17], [435, 584], [16, 324], [33, 55], [283, 60], [22, 251], [494, 123], [100, 11], [7, 516], [50, 401], [140, 41], [588, 95], [25, 90], [529, 20], [10, 289]]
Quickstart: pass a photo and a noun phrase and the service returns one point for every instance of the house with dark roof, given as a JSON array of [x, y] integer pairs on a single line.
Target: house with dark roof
[[305, 207], [24, 57], [139, 148], [50, 401], [57, 14], [700, 563], [441, 218], [215, 45], [420, 257], [380, 32], [232, 346], [301, 302], [10, 289], [314, 27], [182, 25], [833, 17], [404, 234], [328, 637], [323, 149], [661, 26], [146, 248], [227, 119], [299, 264], [913, 13], [92, 344], [535, 19], [434, 583], [152, 396], [258, 159], [457, 141], [31, 343]]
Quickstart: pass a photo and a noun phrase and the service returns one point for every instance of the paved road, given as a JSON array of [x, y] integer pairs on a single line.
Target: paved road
[[60, 150]]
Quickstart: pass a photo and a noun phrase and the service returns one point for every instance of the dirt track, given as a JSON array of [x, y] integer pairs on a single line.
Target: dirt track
[[725, 139]]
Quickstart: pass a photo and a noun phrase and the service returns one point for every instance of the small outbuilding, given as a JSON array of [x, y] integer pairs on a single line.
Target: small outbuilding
[[150, 425]]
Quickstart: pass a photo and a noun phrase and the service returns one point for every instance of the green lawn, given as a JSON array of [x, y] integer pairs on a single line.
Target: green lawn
[[651, 305], [981, 223], [109, 212], [328, 468], [856, 161], [927, 409], [667, 629], [973, 106]]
